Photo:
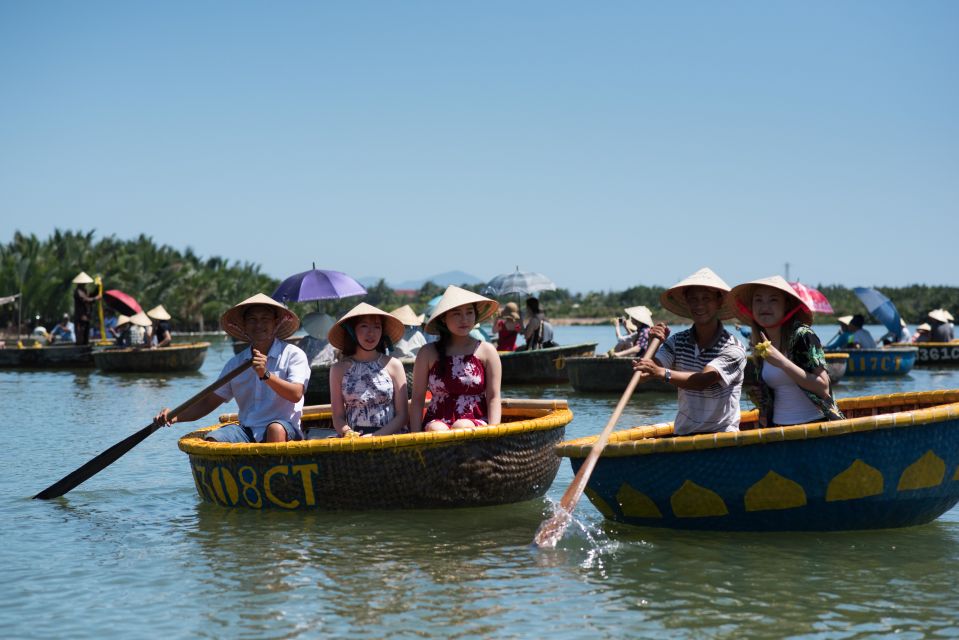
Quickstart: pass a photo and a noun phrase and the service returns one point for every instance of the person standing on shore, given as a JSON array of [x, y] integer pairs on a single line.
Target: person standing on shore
[[705, 362], [82, 307]]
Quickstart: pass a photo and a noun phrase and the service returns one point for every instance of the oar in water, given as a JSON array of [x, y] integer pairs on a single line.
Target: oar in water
[[112, 454], [552, 530]]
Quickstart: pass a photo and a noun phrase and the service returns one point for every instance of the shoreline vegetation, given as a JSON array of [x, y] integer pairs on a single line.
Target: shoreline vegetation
[[197, 290]]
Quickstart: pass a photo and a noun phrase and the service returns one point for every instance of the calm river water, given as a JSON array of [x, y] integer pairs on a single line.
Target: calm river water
[[134, 553]]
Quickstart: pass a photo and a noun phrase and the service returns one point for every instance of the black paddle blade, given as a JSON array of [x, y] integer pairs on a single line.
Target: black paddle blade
[[96, 465]]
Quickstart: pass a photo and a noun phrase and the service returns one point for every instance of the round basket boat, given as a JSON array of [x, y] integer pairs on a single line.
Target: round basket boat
[[67, 356], [177, 357], [541, 366], [492, 465], [936, 354], [608, 375], [836, 366], [888, 361], [893, 462]]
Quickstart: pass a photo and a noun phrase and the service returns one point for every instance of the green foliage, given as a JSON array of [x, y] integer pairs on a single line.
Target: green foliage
[[196, 290]]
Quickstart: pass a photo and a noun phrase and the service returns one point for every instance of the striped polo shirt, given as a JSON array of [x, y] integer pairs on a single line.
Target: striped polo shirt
[[715, 408]]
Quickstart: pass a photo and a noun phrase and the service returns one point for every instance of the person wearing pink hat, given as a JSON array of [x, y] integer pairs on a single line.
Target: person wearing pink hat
[[461, 373], [786, 377], [705, 362]]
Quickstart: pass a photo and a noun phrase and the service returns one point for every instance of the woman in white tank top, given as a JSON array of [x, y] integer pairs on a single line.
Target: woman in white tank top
[[786, 376]]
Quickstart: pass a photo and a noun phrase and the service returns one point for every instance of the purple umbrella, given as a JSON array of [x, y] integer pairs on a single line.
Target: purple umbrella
[[317, 284]]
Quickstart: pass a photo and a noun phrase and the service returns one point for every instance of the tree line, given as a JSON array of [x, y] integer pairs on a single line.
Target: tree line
[[197, 290]]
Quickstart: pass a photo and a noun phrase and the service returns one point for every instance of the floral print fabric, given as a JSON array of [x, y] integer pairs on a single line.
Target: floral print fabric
[[802, 347], [368, 394], [460, 392]]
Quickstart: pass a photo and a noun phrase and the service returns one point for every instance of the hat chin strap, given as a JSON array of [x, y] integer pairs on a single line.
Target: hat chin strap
[[749, 314]]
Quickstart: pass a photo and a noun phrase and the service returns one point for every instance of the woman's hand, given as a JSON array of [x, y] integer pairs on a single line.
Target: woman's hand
[[772, 355]]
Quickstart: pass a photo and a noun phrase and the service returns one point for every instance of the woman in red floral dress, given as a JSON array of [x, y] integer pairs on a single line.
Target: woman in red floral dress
[[462, 373]]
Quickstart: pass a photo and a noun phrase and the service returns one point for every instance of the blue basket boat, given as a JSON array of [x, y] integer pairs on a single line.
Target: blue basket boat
[[888, 361], [894, 462]]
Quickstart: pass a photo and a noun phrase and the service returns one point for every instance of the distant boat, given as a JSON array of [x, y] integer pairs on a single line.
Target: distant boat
[[56, 356], [498, 464], [541, 365], [176, 357], [887, 361], [936, 354], [891, 463], [599, 374]]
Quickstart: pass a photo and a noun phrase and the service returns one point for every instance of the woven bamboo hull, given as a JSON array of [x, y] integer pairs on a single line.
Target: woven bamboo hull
[[541, 365], [464, 468], [936, 354], [836, 366], [608, 375], [889, 361], [893, 463], [178, 357], [52, 357]]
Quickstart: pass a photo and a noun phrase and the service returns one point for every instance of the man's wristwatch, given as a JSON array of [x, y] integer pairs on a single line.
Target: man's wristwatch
[[265, 376], [667, 375]]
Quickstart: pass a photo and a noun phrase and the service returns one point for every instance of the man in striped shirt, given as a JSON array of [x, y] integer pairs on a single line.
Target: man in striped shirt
[[705, 362]]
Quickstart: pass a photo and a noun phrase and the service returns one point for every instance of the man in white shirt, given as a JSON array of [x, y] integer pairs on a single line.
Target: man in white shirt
[[270, 394]]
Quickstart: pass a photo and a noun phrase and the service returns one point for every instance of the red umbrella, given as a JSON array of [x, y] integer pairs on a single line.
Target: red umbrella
[[119, 301], [813, 298]]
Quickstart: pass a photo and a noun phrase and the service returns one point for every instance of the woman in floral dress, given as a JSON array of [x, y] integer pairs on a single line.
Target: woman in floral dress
[[786, 376], [462, 373], [367, 388]]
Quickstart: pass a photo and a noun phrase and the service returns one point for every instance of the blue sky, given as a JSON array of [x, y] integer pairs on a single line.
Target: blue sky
[[603, 144]]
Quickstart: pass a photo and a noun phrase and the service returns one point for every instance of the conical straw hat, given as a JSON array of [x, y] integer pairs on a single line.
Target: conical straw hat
[[317, 324], [640, 314], [925, 326], [940, 315], [674, 298], [158, 313], [122, 320], [339, 337], [82, 278], [741, 298], [407, 316], [232, 320], [844, 320], [456, 297], [141, 320]]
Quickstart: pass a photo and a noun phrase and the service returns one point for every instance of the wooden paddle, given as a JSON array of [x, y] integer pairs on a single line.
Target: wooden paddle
[[552, 530], [112, 454]]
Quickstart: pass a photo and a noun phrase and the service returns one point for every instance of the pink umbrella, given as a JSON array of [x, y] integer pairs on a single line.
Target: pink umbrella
[[122, 302], [813, 298]]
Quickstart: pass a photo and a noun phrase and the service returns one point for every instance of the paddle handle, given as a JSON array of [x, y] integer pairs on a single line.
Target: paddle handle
[[575, 490], [112, 454], [552, 530]]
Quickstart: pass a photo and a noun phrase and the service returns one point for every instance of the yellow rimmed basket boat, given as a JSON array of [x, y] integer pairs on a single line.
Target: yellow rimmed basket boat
[[176, 357], [894, 462], [836, 366], [498, 464]]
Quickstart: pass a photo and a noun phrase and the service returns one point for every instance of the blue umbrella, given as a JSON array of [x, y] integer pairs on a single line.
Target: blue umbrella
[[880, 307]]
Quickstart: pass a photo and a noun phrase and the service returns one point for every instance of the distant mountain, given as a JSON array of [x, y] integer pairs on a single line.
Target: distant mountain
[[441, 279]]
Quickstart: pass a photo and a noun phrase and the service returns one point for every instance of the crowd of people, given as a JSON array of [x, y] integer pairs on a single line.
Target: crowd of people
[[459, 373]]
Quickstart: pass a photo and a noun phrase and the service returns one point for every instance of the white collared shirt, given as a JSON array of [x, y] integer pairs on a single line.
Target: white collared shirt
[[259, 404]]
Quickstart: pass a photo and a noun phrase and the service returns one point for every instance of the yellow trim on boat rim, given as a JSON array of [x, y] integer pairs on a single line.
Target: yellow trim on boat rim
[[658, 438], [546, 415]]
